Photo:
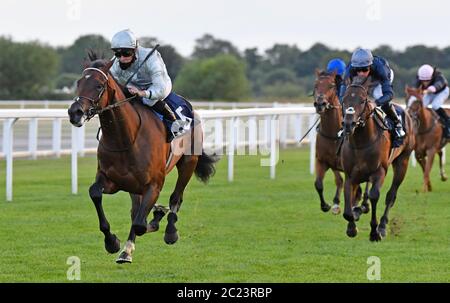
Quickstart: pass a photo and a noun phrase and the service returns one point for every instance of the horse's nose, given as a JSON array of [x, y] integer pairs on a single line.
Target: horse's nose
[[75, 114], [348, 120]]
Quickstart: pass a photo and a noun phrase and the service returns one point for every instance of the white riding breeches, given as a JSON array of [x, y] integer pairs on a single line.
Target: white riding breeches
[[436, 100]]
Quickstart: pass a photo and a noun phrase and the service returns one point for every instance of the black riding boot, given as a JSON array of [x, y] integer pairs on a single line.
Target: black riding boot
[[445, 121], [392, 114], [162, 108]]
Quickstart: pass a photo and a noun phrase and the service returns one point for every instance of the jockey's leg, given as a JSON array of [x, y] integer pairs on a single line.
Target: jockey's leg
[[437, 103], [446, 121], [164, 109], [389, 110]]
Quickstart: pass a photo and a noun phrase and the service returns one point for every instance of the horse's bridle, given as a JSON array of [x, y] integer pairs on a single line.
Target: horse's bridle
[[361, 121], [328, 105], [95, 103]]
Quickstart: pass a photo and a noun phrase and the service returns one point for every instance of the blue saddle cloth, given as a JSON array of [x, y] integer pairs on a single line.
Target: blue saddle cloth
[[182, 109]]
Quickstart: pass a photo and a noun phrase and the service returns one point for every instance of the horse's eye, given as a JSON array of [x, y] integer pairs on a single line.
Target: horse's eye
[[99, 87]]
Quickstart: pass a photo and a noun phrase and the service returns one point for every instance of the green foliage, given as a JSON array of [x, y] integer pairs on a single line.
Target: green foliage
[[218, 78], [207, 47], [74, 56], [26, 69]]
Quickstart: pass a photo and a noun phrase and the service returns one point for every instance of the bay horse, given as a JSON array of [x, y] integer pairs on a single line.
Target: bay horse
[[367, 154], [133, 155], [328, 107], [429, 135]]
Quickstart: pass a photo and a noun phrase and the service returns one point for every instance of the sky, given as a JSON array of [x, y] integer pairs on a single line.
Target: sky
[[344, 24]]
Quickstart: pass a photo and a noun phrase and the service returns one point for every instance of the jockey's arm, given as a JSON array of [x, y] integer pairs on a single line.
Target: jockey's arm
[[440, 82], [161, 83], [388, 93]]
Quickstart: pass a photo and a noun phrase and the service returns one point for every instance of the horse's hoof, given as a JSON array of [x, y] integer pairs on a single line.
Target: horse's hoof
[[171, 238], [375, 236], [444, 178], [336, 210], [365, 208], [325, 207], [352, 232], [139, 229], [152, 227], [357, 211], [124, 257], [112, 245], [382, 232]]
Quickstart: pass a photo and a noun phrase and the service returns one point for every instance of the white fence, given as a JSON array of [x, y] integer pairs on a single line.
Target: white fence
[[281, 126]]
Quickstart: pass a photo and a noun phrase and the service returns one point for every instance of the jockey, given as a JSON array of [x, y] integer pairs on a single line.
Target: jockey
[[152, 83], [364, 64], [337, 65], [435, 86]]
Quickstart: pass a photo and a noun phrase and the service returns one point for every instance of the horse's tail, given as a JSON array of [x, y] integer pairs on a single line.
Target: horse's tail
[[205, 166]]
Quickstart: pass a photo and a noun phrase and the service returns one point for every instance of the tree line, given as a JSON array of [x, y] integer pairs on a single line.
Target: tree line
[[216, 69]]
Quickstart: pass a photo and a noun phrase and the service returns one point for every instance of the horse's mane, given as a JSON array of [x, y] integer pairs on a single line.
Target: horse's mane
[[359, 80], [95, 59], [324, 73]]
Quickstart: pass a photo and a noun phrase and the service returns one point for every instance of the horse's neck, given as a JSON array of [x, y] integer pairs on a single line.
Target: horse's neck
[[368, 133], [120, 124], [331, 121], [426, 118]]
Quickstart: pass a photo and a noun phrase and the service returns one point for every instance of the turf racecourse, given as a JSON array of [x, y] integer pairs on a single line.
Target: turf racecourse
[[252, 230]]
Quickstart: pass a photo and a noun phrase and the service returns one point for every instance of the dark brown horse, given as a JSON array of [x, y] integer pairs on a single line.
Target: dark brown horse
[[429, 135], [327, 105], [366, 156], [133, 155]]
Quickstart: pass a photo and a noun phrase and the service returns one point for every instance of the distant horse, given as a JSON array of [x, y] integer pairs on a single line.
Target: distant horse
[[327, 105], [366, 155], [429, 135], [133, 155]]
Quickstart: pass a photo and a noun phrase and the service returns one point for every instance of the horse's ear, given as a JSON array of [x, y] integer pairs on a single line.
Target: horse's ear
[[334, 73], [407, 89], [318, 71], [108, 65]]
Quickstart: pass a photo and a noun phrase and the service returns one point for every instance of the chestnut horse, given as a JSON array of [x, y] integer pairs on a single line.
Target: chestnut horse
[[133, 155], [429, 135], [327, 105], [366, 156]]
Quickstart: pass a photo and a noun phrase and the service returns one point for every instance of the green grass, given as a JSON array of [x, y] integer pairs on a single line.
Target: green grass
[[252, 230]]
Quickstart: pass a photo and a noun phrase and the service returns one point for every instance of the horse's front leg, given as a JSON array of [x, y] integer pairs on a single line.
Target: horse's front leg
[[428, 166], [321, 169], [336, 210], [374, 196], [101, 185], [127, 251], [349, 196], [149, 197]]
